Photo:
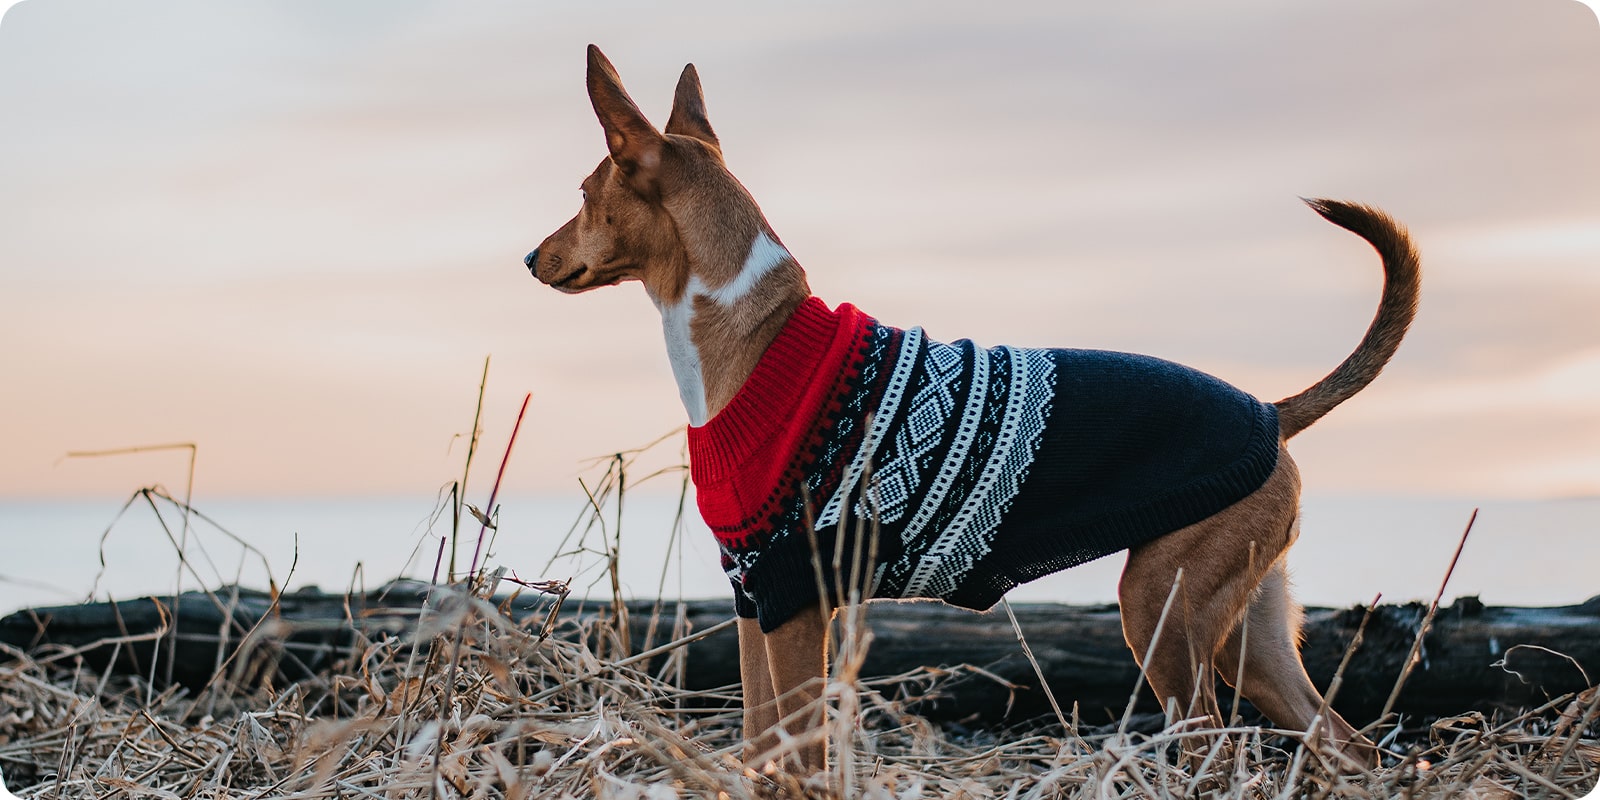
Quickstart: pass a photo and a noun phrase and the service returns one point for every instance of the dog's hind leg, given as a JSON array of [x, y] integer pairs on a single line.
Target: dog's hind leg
[[1275, 678], [1222, 559]]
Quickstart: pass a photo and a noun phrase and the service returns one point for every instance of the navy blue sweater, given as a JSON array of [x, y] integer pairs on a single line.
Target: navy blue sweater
[[979, 469]]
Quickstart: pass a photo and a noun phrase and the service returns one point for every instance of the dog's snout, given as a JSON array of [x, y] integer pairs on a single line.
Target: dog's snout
[[531, 260]]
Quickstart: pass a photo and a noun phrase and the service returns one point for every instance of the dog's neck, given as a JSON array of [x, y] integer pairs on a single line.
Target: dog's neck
[[715, 335]]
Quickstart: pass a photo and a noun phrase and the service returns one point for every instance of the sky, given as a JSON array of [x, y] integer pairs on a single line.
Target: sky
[[290, 232]]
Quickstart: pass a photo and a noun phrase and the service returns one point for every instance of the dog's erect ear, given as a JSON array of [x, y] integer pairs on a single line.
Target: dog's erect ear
[[689, 109], [634, 143]]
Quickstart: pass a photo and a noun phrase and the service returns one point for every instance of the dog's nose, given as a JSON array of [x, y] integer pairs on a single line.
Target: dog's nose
[[532, 259]]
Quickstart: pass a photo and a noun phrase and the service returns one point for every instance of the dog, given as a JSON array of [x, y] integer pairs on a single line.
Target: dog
[[977, 468]]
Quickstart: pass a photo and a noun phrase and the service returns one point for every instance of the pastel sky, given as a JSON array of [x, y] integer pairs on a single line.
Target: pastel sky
[[290, 232]]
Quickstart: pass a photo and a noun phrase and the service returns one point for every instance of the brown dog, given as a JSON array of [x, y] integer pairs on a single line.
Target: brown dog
[[745, 339]]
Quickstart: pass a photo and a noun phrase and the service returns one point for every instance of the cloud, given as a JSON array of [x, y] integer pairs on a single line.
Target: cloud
[[213, 207]]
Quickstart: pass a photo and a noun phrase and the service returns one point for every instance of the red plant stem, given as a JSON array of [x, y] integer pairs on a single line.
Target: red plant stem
[[438, 560], [489, 509]]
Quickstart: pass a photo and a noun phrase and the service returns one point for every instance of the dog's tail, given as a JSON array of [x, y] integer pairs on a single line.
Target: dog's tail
[[1402, 279]]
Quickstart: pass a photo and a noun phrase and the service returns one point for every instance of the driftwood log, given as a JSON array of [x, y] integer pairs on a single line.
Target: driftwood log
[[1488, 659]]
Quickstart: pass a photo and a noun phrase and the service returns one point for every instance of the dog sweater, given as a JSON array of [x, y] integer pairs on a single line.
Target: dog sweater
[[858, 454]]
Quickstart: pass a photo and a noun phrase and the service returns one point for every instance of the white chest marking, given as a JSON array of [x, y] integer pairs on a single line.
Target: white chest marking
[[684, 357], [764, 256]]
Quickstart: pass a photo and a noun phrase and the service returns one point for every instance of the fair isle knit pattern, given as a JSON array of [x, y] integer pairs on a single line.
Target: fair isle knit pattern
[[969, 470]]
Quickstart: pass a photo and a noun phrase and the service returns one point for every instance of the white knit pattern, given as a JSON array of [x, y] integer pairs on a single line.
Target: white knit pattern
[[971, 413], [931, 407], [970, 534], [883, 416]]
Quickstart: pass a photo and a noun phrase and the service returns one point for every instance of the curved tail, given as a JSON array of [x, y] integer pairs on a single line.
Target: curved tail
[[1402, 279]]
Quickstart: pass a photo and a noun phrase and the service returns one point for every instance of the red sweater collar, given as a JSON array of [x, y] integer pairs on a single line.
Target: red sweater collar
[[782, 396]]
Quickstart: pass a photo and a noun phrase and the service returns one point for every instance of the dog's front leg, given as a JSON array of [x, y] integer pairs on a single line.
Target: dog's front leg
[[783, 674], [760, 712]]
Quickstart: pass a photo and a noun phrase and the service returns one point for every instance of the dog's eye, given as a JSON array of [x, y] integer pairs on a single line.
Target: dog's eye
[[584, 194]]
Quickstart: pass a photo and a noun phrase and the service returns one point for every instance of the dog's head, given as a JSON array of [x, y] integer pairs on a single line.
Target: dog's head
[[662, 208]]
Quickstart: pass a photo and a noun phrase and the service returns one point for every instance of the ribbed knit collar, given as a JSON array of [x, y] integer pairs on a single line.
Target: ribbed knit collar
[[800, 364]]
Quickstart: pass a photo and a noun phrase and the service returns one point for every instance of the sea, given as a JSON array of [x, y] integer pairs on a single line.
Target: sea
[[1352, 548]]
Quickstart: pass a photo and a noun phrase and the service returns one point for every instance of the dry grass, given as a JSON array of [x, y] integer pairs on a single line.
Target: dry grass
[[487, 706]]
